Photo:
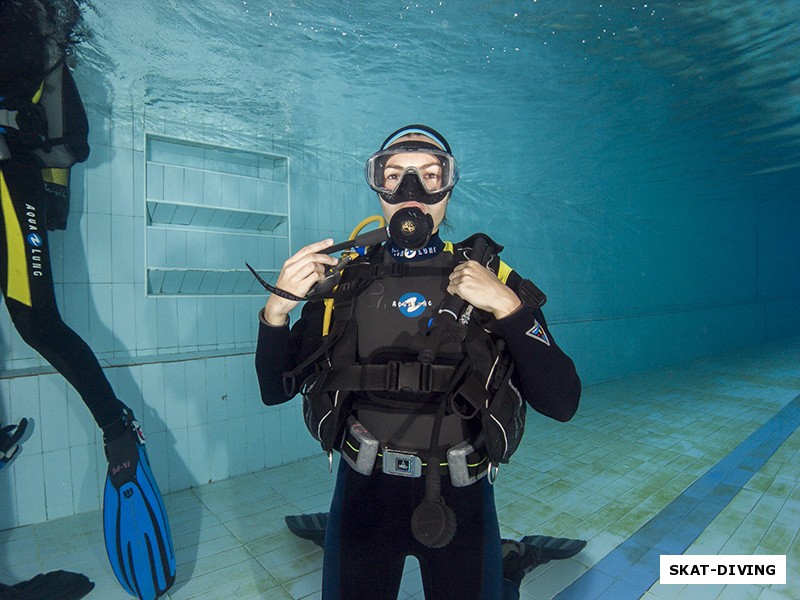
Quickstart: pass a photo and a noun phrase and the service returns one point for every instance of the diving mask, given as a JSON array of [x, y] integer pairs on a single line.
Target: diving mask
[[412, 171]]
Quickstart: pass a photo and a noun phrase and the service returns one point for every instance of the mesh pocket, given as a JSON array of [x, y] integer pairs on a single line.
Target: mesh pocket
[[324, 417], [504, 423]]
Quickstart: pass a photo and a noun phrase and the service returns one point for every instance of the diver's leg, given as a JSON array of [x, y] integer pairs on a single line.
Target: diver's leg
[[470, 566], [510, 590], [46, 333], [27, 283], [365, 540]]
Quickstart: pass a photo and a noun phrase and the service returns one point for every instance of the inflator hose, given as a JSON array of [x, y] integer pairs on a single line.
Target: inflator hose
[[433, 523]]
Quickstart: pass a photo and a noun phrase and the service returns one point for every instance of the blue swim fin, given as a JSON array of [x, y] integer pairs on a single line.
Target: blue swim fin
[[138, 540]]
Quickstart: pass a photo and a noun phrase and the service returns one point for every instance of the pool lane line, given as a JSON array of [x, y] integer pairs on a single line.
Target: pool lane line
[[632, 568]]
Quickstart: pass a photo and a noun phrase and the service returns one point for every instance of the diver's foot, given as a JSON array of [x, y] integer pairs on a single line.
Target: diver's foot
[[121, 442], [120, 425], [309, 527]]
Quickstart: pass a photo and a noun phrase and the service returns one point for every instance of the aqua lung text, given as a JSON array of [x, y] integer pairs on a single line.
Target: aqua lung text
[[34, 241]]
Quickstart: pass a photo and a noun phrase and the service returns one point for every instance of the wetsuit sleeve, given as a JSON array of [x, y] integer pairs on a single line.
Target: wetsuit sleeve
[[544, 374], [280, 349], [271, 353]]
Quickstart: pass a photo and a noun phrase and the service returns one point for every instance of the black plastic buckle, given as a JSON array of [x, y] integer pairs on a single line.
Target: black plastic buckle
[[408, 377], [470, 397]]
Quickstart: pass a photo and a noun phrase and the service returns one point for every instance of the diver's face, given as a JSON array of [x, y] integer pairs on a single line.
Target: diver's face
[[430, 172]]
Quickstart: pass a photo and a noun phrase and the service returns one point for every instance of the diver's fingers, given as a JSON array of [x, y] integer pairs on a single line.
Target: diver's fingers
[[482, 289], [297, 281], [472, 273], [299, 275], [305, 260], [300, 272], [312, 250], [473, 283], [293, 274]]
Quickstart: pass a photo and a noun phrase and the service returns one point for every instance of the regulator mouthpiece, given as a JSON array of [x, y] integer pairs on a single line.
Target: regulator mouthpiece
[[410, 228]]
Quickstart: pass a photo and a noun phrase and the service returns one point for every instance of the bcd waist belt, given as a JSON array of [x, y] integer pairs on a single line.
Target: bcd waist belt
[[394, 376], [361, 451]]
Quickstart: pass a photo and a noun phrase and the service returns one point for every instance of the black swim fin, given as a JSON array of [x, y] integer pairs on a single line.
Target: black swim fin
[[137, 535], [554, 548], [523, 556], [10, 439], [56, 585], [309, 527]]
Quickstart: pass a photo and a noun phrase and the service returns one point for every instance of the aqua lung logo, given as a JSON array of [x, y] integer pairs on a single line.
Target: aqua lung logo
[[35, 241], [412, 304], [408, 254]]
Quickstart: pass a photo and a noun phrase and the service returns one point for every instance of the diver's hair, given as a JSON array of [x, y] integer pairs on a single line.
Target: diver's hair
[[69, 27], [34, 36], [417, 130]]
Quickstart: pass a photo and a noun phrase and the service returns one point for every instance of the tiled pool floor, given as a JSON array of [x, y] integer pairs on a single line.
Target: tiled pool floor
[[636, 473]]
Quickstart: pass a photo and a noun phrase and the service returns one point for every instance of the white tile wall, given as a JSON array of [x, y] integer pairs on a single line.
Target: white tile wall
[[205, 207], [202, 415]]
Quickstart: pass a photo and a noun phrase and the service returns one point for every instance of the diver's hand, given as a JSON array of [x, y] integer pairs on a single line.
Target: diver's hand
[[480, 287], [299, 274]]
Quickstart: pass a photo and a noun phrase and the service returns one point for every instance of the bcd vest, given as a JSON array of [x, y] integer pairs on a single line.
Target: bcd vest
[[370, 359]]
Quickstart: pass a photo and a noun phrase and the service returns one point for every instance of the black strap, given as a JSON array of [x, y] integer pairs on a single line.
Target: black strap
[[395, 376], [362, 274], [530, 294]]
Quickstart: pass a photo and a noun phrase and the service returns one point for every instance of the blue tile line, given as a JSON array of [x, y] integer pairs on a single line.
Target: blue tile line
[[632, 568]]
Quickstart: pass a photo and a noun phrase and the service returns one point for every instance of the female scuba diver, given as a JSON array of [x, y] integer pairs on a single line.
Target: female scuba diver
[[417, 367], [43, 132]]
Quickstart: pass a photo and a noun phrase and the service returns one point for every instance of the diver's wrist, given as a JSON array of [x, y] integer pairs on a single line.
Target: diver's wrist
[[273, 319], [508, 307]]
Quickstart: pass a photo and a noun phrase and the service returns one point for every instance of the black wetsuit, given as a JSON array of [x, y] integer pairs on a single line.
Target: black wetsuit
[[368, 534], [34, 199]]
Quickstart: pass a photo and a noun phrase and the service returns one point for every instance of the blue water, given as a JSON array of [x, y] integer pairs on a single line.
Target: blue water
[[637, 158], [536, 73]]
